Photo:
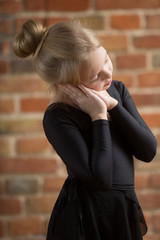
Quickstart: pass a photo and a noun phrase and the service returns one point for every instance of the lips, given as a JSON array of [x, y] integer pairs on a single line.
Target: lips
[[108, 83]]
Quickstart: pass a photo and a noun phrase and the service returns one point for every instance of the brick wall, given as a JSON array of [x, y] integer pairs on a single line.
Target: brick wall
[[31, 172]]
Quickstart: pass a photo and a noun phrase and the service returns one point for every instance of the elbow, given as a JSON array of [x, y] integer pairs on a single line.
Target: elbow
[[148, 151], [151, 152], [148, 155]]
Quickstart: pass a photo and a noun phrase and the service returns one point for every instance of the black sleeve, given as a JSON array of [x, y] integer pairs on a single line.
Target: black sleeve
[[138, 135], [95, 167]]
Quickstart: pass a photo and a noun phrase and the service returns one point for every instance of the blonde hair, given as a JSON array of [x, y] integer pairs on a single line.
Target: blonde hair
[[58, 51]]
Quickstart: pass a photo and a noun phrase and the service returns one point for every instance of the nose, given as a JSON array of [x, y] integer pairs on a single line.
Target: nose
[[107, 71], [106, 75]]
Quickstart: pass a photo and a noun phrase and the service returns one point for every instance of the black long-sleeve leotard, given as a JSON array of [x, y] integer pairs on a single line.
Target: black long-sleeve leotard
[[100, 153]]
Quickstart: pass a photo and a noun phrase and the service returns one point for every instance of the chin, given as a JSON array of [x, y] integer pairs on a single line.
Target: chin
[[106, 87]]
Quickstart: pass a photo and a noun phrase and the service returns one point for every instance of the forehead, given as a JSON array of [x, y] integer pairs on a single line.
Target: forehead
[[94, 64]]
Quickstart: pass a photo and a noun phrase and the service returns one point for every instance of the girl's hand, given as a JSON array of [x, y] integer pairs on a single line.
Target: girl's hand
[[109, 101], [86, 100]]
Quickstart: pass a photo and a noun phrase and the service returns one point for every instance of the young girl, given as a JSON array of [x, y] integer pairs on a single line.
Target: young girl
[[95, 128]]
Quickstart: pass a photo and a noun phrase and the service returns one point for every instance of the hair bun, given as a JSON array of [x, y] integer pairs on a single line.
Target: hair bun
[[26, 42]]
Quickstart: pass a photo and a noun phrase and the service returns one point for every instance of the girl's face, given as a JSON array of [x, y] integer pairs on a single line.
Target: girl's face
[[98, 75]]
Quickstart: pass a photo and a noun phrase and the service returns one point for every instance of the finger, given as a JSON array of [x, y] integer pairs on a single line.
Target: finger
[[86, 90], [65, 89], [72, 92], [75, 91], [82, 88]]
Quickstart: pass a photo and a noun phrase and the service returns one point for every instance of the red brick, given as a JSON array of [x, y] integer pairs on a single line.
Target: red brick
[[27, 165], [21, 84], [153, 21], [156, 222], [53, 20], [41, 204], [126, 4], [9, 126], [4, 67], [154, 180], [149, 201], [68, 5], [5, 26], [10, 6], [125, 22], [1, 188], [146, 99], [150, 79], [25, 226], [4, 147], [35, 5], [2, 229], [32, 145], [152, 119], [6, 105], [149, 41], [53, 184], [131, 61], [114, 42], [9, 206], [5, 48], [141, 180], [34, 104], [125, 78]]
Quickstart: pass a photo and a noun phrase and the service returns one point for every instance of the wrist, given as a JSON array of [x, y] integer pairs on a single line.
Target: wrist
[[99, 116], [113, 104]]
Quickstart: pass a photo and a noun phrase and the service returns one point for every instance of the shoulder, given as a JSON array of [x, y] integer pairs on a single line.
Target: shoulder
[[54, 113], [60, 114], [56, 119]]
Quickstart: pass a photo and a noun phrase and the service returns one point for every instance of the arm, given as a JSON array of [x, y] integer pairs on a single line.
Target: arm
[[129, 122], [95, 167]]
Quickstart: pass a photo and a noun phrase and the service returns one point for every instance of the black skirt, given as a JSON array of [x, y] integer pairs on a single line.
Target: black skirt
[[81, 213]]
